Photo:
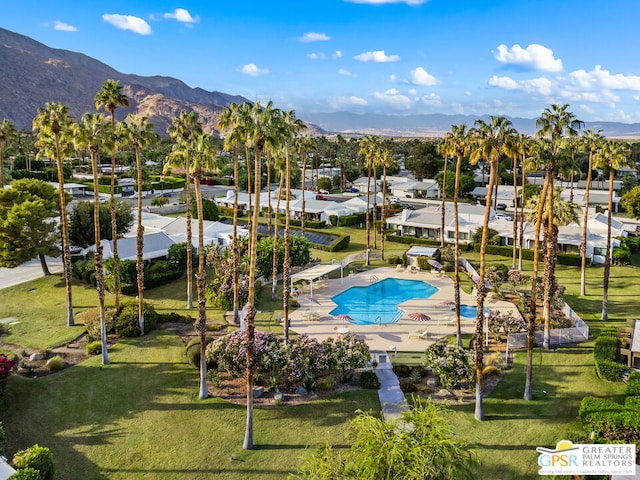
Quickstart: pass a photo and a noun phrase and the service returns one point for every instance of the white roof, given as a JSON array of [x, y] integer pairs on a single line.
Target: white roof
[[422, 251], [315, 272]]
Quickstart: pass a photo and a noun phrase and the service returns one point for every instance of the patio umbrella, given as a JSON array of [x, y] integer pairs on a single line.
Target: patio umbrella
[[476, 279], [420, 317], [448, 303], [344, 317], [434, 263]]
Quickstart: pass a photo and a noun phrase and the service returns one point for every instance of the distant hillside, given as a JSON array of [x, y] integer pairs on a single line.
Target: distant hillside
[[32, 74], [437, 124]]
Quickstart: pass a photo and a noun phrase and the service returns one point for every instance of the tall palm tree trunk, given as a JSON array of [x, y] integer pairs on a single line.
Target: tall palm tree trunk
[[549, 260], [585, 219], [64, 226], [248, 160], [375, 207], [384, 198], [286, 272], [521, 236], [140, 245], [274, 273], [607, 258], [368, 215], [456, 253], [515, 210], [97, 257], [251, 313], [268, 194], [114, 226], [187, 192], [201, 284], [236, 246], [444, 199], [482, 292], [304, 187], [533, 301]]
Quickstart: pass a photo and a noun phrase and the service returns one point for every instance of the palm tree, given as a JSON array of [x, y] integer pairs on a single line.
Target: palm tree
[[292, 128], [369, 147], [526, 165], [141, 134], [53, 125], [456, 143], [514, 148], [8, 134], [487, 145], [386, 160], [591, 142], [90, 133], [443, 202], [201, 149], [111, 97], [304, 146], [613, 155], [554, 124], [230, 120], [279, 164], [181, 129], [541, 152]]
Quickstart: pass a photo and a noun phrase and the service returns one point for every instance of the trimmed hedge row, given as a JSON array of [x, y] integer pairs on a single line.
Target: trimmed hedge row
[[413, 240], [606, 355], [308, 223], [355, 219], [341, 243], [527, 254], [151, 281]]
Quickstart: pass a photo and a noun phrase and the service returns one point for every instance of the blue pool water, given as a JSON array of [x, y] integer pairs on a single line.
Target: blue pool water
[[378, 302], [469, 311]]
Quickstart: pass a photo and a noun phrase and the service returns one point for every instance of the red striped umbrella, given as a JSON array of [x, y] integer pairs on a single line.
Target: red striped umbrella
[[344, 317], [420, 317]]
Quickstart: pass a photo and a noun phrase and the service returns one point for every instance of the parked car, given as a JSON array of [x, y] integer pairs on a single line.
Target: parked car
[[394, 200], [504, 216], [353, 190], [501, 206], [321, 197], [408, 206]]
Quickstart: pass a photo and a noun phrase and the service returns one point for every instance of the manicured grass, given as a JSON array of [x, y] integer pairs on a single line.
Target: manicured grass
[[139, 418]]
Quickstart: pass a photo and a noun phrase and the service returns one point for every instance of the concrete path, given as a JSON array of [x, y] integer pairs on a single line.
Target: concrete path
[[28, 271], [391, 397]]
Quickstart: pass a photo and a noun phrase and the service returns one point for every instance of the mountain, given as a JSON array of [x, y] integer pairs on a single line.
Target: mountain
[[437, 124], [32, 74]]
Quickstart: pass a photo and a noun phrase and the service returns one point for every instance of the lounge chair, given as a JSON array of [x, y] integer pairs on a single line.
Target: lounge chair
[[419, 334]]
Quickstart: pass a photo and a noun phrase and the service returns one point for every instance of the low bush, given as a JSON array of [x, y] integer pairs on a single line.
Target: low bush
[[408, 387], [127, 324], [26, 474], [174, 317], [56, 363], [491, 370], [192, 351], [36, 457], [402, 371], [91, 320], [369, 380], [94, 348], [606, 355], [326, 383]]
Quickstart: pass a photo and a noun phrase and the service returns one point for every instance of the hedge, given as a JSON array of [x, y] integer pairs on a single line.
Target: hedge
[[412, 240], [308, 223], [341, 243], [605, 354], [152, 281], [527, 254], [609, 420]]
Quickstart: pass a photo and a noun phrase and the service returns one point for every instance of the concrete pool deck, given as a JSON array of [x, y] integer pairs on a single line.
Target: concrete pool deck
[[313, 316]]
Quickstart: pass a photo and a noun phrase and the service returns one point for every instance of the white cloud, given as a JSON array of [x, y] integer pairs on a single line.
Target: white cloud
[[536, 86], [64, 27], [395, 98], [346, 73], [316, 56], [412, 91], [431, 99], [420, 76], [127, 22], [413, 3], [341, 102], [337, 54], [600, 78], [314, 37], [506, 83], [393, 78], [181, 15], [377, 56], [534, 57], [253, 70]]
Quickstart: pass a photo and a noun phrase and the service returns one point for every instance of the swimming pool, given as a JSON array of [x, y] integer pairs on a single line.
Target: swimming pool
[[378, 302], [469, 311]]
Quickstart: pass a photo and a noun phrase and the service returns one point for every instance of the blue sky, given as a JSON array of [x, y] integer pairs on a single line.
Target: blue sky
[[511, 57]]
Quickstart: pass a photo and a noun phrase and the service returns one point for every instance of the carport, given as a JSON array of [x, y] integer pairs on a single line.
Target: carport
[[314, 273]]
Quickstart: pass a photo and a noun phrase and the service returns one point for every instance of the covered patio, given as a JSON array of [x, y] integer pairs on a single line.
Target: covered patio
[[313, 273]]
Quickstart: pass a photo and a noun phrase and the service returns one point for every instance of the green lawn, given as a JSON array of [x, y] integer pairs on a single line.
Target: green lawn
[[139, 418]]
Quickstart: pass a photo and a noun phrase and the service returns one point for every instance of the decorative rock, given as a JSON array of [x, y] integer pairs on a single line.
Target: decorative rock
[[258, 391], [34, 357], [445, 393], [301, 390], [433, 382], [279, 396]]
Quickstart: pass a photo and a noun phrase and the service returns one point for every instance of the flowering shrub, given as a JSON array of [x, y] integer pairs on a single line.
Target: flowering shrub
[[517, 278], [303, 360], [452, 364], [6, 367], [505, 323]]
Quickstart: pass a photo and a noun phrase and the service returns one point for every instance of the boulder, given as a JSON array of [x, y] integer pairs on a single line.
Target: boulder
[[301, 390], [34, 357]]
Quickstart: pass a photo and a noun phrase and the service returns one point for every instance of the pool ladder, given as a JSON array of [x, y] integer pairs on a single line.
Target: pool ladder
[[373, 279]]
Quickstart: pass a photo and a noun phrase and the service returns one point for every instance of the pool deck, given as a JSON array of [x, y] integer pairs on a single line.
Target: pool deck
[[313, 316]]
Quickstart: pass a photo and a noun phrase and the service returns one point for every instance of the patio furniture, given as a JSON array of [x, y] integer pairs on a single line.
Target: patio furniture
[[419, 334]]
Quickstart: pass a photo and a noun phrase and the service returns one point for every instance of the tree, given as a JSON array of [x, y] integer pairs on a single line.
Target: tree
[[591, 142], [386, 160], [369, 147], [26, 229], [140, 133], [417, 445], [53, 126], [614, 155], [8, 134], [630, 201], [487, 145], [515, 147], [111, 97], [555, 123], [443, 195], [304, 146], [82, 221], [90, 133], [180, 131], [456, 143]]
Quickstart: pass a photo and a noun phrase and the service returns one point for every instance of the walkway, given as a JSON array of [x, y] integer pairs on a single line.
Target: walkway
[[392, 399]]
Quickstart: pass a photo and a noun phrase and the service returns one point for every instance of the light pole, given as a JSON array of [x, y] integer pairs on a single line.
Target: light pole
[[486, 329]]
